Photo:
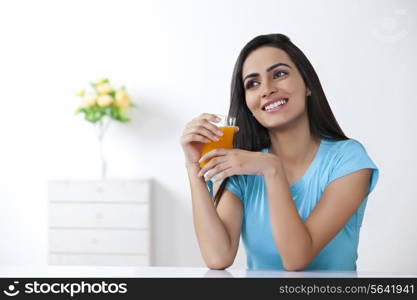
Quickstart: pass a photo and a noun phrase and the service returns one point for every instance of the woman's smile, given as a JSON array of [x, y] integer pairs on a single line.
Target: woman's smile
[[275, 105]]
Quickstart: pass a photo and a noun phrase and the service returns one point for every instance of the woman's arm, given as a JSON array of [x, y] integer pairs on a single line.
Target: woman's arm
[[218, 231], [299, 242]]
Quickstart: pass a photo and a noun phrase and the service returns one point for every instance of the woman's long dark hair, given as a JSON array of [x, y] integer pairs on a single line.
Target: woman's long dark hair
[[252, 136]]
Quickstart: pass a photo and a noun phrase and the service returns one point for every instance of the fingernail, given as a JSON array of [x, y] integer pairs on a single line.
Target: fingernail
[[219, 132]]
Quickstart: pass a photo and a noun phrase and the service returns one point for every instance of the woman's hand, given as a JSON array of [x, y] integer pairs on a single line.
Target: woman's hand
[[196, 132], [228, 162]]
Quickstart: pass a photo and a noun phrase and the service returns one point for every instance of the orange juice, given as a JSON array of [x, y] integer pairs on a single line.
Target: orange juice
[[225, 141]]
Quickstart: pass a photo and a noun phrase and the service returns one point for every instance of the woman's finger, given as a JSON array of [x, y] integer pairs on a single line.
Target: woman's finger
[[222, 175], [213, 153], [207, 121], [211, 164], [193, 137], [216, 172], [209, 117], [210, 126], [199, 129]]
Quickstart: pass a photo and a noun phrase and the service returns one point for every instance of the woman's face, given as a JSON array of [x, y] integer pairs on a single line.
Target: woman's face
[[274, 89]]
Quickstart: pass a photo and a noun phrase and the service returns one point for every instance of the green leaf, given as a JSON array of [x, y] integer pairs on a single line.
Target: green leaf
[[103, 80], [79, 110], [107, 111], [88, 117], [115, 113]]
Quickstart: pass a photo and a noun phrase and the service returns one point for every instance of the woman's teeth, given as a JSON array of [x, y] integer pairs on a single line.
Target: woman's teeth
[[275, 104]]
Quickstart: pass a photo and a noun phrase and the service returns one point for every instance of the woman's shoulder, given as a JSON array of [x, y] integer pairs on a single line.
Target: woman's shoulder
[[345, 157], [345, 154], [337, 146], [343, 146]]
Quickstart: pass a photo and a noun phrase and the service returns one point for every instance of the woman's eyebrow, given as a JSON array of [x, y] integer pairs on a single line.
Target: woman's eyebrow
[[269, 69]]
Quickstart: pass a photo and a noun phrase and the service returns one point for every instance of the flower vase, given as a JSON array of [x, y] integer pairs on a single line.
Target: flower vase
[[101, 130]]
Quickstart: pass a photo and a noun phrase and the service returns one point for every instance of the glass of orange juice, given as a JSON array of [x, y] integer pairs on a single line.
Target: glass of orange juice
[[227, 125]]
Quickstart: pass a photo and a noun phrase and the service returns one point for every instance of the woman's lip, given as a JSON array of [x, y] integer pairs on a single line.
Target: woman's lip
[[275, 109], [273, 101]]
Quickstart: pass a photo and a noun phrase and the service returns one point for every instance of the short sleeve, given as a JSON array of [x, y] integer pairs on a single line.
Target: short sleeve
[[352, 157], [234, 185]]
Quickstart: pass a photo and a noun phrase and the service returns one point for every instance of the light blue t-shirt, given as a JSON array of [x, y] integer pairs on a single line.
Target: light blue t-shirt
[[333, 160]]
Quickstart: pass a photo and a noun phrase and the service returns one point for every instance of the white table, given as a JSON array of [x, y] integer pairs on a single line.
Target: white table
[[161, 272]]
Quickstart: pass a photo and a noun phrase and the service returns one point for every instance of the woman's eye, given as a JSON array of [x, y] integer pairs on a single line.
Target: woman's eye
[[280, 74], [251, 83]]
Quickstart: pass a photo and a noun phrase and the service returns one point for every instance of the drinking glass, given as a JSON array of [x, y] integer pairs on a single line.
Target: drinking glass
[[227, 125]]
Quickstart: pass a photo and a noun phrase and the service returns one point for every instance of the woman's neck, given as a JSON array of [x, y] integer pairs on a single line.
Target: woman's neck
[[294, 145]]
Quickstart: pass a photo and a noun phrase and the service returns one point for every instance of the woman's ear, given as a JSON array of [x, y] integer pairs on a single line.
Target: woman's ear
[[308, 92]]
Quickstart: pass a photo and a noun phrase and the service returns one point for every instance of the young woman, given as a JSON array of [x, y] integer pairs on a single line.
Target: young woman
[[294, 185]]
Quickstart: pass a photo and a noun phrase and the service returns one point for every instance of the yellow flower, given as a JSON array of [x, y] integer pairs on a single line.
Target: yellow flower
[[122, 99], [104, 88], [80, 93], [104, 100], [89, 100]]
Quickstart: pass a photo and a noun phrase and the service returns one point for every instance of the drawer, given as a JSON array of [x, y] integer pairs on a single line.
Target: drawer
[[99, 260], [99, 215], [72, 241], [99, 191]]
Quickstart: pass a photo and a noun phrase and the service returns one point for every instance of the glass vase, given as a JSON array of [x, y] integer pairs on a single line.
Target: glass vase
[[102, 127]]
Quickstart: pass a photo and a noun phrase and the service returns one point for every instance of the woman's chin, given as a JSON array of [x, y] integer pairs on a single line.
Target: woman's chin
[[284, 122], [275, 125]]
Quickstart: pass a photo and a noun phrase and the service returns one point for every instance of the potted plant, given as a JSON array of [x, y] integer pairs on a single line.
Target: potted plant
[[101, 104]]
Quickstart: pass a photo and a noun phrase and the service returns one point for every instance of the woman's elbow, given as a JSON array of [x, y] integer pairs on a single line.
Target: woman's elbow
[[294, 266], [218, 264], [296, 261]]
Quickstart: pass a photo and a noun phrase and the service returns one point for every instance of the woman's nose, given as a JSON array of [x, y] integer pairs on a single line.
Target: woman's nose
[[269, 89]]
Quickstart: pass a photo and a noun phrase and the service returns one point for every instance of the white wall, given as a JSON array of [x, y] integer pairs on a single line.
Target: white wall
[[176, 59]]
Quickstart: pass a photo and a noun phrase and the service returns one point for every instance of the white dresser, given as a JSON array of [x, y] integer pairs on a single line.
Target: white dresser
[[99, 222]]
